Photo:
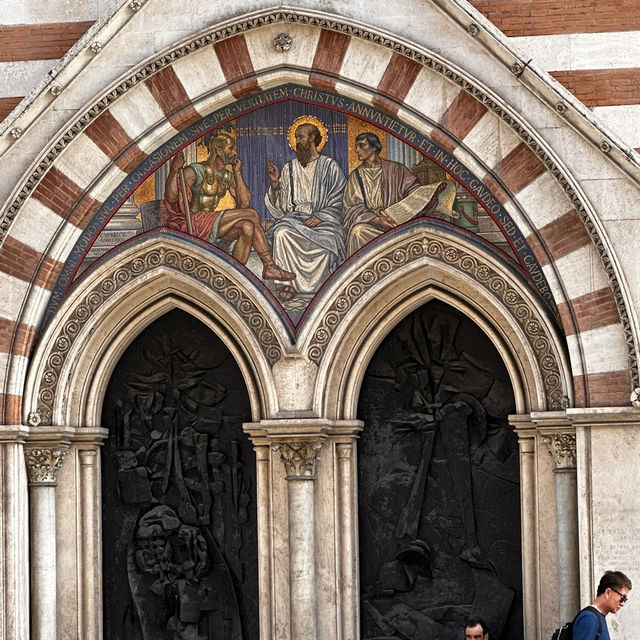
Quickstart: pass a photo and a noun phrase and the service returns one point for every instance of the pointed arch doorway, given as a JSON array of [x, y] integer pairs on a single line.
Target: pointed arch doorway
[[178, 490], [438, 483]]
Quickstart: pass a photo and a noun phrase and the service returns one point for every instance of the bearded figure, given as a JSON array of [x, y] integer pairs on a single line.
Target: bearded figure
[[193, 193], [305, 199]]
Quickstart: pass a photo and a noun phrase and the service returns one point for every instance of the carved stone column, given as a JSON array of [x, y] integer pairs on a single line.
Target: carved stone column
[[562, 447], [14, 536], [348, 547], [528, 497], [263, 500], [299, 460], [308, 527], [43, 462]]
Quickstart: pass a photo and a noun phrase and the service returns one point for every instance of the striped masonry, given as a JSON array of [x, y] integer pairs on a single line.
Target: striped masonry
[[109, 135], [398, 78], [514, 171], [39, 41], [236, 65], [166, 88], [541, 17], [330, 52], [602, 87]]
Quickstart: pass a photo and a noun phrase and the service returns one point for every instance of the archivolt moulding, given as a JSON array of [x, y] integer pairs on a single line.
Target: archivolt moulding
[[335, 23], [406, 266], [122, 278]]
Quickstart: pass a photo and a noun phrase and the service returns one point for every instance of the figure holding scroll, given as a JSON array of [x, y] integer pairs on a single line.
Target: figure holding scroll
[[380, 194]]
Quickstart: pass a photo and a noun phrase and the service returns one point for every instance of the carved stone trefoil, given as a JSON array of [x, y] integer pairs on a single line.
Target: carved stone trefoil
[[562, 446], [43, 463], [299, 458]]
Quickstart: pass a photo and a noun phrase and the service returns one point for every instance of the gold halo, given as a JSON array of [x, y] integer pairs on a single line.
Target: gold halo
[[291, 135]]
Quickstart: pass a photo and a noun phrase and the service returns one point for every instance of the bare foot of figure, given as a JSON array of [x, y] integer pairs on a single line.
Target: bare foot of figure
[[274, 272], [287, 293]]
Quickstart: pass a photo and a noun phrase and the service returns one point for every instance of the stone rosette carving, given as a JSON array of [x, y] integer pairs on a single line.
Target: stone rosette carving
[[299, 458], [40, 417], [562, 447], [436, 65], [485, 275], [43, 463], [282, 42], [203, 272]]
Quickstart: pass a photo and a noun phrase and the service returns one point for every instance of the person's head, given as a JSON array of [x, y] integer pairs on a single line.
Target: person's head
[[612, 591], [308, 139], [224, 146], [368, 145], [476, 629]]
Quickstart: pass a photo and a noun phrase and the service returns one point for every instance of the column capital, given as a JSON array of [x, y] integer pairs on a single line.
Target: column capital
[[43, 462], [562, 447], [299, 458]]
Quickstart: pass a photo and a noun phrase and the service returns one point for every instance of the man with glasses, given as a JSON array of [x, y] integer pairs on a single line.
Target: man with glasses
[[612, 593]]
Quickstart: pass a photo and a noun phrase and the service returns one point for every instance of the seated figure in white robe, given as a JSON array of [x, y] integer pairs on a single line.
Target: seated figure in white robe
[[305, 198]]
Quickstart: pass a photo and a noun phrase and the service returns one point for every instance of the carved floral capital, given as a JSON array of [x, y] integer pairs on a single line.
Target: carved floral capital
[[43, 463], [562, 446], [299, 458]]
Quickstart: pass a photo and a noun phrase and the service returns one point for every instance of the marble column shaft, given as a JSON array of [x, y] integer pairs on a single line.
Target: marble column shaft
[[14, 541], [43, 462], [299, 460], [562, 447]]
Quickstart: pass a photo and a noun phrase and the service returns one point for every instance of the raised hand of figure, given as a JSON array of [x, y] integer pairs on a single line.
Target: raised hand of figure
[[312, 222], [273, 173], [177, 162], [236, 165]]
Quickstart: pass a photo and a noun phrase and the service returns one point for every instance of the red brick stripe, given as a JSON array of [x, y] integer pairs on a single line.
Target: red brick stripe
[[463, 114], [539, 249], [10, 408], [610, 389], [65, 198], [398, 78], [602, 87], [16, 339], [169, 93], [564, 235], [21, 261], [114, 141], [519, 168], [39, 41], [496, 189], [235, 62], [57, 192], [544, 17], [327, 61], [591, 311], [7, 105]]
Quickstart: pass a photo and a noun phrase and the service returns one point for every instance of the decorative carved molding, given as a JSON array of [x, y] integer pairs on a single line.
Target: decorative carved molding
[[299, 458], [204, 273], [485, 275], [562, 446], [40, 417], [635, 398], [437, 66], [43, 463]]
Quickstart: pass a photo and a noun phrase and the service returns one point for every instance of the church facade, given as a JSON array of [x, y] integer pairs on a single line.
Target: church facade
[[443, 424]]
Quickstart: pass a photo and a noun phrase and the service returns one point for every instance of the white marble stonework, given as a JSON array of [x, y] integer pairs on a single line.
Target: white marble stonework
[[304, 387]]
